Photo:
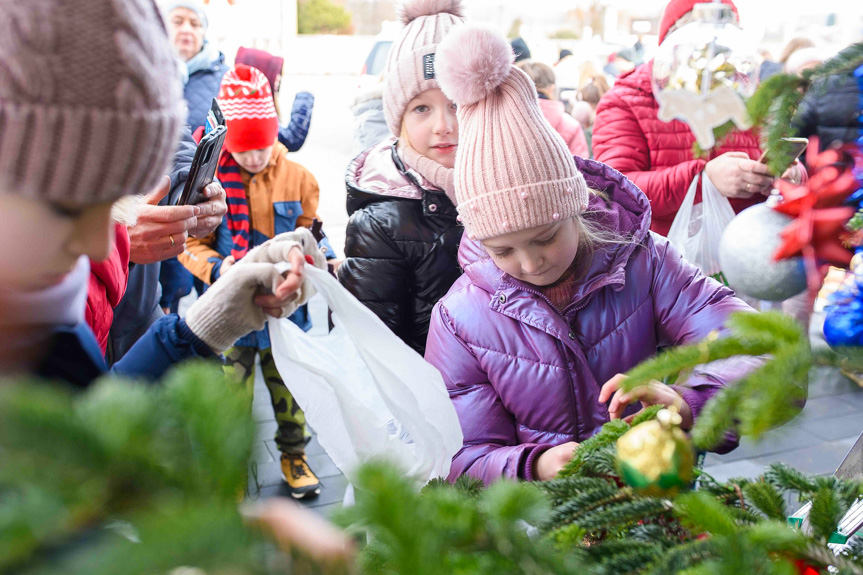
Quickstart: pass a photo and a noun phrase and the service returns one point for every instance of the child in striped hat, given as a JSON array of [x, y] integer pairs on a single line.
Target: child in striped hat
[[267, 195]]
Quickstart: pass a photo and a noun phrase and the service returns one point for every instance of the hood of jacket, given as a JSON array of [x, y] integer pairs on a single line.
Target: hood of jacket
[[553, 110], [208, 59], [624, 210], [379, 174]]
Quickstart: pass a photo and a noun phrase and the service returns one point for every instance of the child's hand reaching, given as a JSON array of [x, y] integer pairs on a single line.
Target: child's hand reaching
[[654, 393], [254, 288], [550, 462]]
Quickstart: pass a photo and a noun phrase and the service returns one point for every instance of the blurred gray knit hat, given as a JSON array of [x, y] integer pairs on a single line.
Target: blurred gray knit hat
[[194, 5], [91, 103]]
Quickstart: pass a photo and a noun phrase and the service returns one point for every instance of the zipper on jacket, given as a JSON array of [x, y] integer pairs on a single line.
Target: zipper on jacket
[[580, 305], [573, 401]]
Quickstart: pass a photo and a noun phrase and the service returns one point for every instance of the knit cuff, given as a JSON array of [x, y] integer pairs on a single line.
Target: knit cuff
[[200, 346], [210, 328], [695, 397], [526, 472]]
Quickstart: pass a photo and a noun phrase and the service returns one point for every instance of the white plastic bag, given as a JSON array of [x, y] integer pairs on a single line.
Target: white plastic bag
[[364, 391], [697, 229]]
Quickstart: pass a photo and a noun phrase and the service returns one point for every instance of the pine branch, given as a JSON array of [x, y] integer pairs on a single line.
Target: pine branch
[[766, 498], [602, 463], [565, 488], [625, 513], [701, 513], [648, 414], [717, 418], [846, 61], [760, 104], [789, 479], [123, 451], [609, 434], [676, 360], [580, 503], [766, 397], [567, 536], [683, 556], [774, 104], [775, 393], [624, 556], [826, 512], [775, 536]]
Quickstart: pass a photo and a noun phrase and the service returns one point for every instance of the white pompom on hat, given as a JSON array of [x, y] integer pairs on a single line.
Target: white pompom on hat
[[513, 171], [411, 65]]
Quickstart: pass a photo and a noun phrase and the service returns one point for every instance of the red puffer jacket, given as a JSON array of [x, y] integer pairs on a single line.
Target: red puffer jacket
[[108, 281], [656, 155]]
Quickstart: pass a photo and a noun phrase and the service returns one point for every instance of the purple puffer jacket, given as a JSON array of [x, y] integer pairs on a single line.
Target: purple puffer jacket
[[523, 378]]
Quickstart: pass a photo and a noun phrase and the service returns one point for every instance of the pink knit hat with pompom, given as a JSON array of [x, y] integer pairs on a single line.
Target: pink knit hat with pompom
[[411, 68], [513, 171]]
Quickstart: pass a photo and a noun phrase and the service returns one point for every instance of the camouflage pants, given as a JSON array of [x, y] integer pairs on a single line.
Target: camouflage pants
[[240, 365]]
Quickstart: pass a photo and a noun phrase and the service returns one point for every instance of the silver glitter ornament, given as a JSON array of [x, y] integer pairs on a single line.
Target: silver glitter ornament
[[746, 256]]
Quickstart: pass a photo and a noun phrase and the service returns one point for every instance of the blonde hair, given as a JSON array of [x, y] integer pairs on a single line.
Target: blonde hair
[[792, 46], [594, 90], [592, 234], [404, 140]]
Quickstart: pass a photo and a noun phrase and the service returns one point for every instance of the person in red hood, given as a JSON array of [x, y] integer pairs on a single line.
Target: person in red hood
[[657, 156]]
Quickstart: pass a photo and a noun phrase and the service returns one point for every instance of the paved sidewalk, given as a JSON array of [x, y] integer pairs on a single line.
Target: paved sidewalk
[[816, 441]]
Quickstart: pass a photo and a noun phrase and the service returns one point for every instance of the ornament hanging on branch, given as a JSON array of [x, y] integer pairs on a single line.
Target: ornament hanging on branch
[[746, 256], [703, 71], [655, 457]]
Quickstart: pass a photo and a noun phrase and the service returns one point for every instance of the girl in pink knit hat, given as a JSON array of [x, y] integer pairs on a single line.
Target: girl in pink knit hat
[[403, 236], [564, 286]]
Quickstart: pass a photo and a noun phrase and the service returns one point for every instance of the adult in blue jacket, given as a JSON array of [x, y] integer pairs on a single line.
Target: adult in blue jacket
[[204, 66], [57, 212]]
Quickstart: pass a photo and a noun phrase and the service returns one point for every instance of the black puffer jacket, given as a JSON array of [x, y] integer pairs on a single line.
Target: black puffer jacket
[[402, 243], [830, 110]]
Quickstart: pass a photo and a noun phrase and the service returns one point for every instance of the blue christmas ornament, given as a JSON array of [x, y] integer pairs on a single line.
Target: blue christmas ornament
[[843, 324]]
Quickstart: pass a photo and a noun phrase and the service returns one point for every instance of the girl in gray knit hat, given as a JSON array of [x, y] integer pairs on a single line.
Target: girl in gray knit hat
[[90, 112]]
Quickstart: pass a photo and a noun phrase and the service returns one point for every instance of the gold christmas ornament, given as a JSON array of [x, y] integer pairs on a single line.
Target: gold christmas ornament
[[656, 457]]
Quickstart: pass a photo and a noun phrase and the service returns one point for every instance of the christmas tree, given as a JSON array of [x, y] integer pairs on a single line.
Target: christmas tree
[[145, 479], [597, 523], [125, 475]]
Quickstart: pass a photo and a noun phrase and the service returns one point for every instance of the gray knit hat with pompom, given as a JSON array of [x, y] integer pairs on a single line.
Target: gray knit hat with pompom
[[91, 103]]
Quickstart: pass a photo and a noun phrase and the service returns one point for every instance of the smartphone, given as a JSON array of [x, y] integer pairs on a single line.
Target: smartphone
[[798, 146], [203, 168]]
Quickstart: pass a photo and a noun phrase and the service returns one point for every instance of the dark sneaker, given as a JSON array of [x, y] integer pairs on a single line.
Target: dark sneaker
[[302, 481]]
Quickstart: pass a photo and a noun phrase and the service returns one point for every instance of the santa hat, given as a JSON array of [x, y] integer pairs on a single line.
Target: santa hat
[[246, 101], [677, 8]]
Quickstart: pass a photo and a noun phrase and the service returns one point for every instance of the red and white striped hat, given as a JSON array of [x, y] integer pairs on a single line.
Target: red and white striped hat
[[246, 101]]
